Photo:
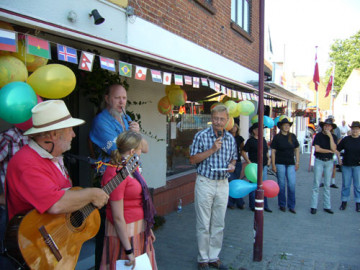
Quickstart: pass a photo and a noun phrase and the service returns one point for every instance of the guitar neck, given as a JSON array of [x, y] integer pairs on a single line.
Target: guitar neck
[[108, 188]]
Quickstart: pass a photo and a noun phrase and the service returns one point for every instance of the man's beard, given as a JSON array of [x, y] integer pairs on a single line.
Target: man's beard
[[114, 113]]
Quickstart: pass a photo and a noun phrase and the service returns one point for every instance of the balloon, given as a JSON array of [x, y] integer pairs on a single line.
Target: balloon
[[229, 124], [32, 62], [283, 117], [16, 101], [11, 70], [164, 105], [240, 188], [231, 105], [271, 188], [276, 120], [268, 122], [53, 81], [237, 111], [251, 172], [27, 124], [170, 87], [246, 107], [177, 97], [254, 119]]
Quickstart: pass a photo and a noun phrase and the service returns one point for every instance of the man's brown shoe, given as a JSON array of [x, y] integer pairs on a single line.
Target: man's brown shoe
[[218, 265]]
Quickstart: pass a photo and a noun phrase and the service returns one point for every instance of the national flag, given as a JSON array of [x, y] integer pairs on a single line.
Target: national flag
[[196, 82], [243, 96], [239, 95], [283, 79], [212, 84], [140, 73], [67, 54], [8, 40], [330, 84], [204, 82], [316, 78], [86, 61], [125, 69], [38, 47], [166, 78], [217, 87], [107, 63], [233, 93], [178, 79], [248, 96], [188, 80], [156, 76]]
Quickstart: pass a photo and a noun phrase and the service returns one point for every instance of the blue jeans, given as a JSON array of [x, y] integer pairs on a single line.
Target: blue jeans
[[236, 175], [288, 172], [348, 173], [252, 194], [320, 168]]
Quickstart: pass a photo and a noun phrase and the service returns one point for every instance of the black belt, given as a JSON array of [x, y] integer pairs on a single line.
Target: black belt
[[324, 159]]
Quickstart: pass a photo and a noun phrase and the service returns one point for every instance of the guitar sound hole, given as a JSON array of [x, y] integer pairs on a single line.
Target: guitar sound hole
[[76, 219]]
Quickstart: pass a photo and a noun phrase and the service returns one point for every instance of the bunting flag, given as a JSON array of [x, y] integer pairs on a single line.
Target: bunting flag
[[283, 80], [188, 80], [166, 78], [107, 63], [217, 87], [212, 84], [204, 82], [234, 93], [330, 84], [243, 96], [67, 54], [178, 79], [316, 78], [196, 82], [140, 73], [86, 61], [8, 40], [156, 76], [37, 46], [125, 69]]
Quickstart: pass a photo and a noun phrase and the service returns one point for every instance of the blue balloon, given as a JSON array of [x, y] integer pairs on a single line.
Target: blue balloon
[[240, 188], [276, 120], [268, 122]]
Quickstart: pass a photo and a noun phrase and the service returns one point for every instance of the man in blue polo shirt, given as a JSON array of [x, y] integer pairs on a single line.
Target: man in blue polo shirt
[[325, 147], [214, 153]]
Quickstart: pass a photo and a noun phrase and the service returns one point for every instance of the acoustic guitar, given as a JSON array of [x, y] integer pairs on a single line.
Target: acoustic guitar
[[47, 241]]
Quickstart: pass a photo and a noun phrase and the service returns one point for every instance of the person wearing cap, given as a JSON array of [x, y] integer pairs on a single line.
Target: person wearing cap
[[350, 165], [36, 177], [249, 153], [285, 157], [214, 152], [325, 147]]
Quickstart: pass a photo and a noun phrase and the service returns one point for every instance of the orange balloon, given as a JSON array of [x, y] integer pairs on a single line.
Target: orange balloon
[[164, 105], [229, 124], [177, 97]]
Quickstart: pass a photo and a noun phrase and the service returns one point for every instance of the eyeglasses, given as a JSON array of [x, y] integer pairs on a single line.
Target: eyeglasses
[[219, 119]]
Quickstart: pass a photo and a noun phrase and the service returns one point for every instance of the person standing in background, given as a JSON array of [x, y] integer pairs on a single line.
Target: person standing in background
[[284, 148]]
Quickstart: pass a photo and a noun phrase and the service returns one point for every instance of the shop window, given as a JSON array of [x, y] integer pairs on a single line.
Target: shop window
[[181, 131]]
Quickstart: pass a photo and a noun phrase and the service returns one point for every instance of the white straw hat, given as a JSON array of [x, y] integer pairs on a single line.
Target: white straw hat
[[51, 115]]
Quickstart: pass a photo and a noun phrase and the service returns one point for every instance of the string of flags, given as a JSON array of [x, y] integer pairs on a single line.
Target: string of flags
[[40, 47]]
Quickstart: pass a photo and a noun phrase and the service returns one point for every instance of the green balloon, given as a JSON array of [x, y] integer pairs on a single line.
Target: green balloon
[[255, 119], [16, 101], [251, 172], [246, 107]]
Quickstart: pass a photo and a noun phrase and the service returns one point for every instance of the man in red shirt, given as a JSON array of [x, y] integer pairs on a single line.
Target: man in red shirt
[[36, 176]]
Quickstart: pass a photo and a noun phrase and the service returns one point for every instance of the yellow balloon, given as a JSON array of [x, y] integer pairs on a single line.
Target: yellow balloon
[[171, 87], [11, 70], [53, 81], [283, 117], [232, 107], [177, 97], [32, 62]]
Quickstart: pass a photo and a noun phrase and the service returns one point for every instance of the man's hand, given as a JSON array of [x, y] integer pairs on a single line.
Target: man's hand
[[231, 168], [217, 144], [134, 126], [328, 133], [100, 198]]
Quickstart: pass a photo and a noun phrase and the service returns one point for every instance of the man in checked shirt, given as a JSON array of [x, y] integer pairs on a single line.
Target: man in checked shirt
[[214, 153]]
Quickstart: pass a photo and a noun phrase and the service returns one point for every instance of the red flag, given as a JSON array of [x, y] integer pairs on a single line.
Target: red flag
[[330, 84], [316, 78]]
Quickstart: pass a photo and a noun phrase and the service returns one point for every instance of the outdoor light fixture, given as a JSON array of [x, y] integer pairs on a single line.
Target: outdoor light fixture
[[72, 16], [97, 17]]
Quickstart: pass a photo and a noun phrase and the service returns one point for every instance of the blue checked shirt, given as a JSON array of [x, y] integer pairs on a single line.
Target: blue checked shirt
[[203, 141]]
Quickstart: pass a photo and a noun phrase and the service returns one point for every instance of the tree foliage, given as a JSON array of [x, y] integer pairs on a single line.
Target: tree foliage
[[346, 56]]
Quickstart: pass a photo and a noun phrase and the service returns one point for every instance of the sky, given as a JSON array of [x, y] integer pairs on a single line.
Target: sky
[[297, 26]]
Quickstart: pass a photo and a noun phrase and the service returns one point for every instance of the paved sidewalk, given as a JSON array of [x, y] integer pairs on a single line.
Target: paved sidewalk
[[301, 241]]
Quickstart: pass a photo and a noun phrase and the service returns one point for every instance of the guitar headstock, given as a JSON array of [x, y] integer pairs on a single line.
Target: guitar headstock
[[131, 163]]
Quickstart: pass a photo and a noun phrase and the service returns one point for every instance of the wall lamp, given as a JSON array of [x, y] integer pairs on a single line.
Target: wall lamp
[[97, 17]]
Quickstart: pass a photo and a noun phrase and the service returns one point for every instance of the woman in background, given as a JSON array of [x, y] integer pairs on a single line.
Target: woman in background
[[130, 211], [284, 147]]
